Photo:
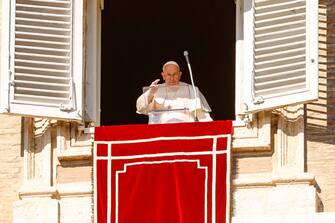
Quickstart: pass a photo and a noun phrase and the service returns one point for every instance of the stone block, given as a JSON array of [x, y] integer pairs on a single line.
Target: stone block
[[36, 210], [76, 210]]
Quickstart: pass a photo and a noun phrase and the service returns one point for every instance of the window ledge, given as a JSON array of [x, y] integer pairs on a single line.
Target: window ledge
[[253, 138], [75, 153]]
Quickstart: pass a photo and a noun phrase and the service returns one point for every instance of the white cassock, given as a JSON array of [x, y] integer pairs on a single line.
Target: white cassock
[[173, 104]]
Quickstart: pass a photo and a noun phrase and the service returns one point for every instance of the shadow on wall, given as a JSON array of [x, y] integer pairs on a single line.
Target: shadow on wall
[[320, 120]]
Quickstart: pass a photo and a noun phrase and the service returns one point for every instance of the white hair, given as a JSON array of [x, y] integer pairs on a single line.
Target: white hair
[[170, 62]]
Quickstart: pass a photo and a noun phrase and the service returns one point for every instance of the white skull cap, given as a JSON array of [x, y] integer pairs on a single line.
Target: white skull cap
[[170, 62]]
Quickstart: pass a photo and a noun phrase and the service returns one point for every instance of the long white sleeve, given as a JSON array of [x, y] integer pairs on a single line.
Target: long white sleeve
[[142, 104], [203, 116]]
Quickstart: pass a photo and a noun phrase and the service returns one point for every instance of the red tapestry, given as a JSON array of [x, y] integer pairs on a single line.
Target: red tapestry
[[162, 173]]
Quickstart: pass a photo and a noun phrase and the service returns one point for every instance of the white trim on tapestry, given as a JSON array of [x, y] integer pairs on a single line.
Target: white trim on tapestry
[[160, 162], [109, 184], [214, 145], [95, 189], [228, 169], [162, 138]]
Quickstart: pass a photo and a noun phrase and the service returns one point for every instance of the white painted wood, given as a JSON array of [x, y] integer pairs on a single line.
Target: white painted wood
[[280, 53], [46, 51], [1, 14], [4, 59], [93, 52], [239, 59]]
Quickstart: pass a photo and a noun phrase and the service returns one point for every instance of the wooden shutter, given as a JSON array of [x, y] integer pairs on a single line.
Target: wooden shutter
[[3, 52], [281, 52], [46, 58], [1, 34], [1, 30]]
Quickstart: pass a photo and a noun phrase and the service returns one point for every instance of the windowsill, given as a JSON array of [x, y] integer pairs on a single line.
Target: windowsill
[[239, 123], [236, 123], [253, 138]]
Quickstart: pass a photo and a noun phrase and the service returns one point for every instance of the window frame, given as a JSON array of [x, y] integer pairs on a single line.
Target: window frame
[[250, 131]]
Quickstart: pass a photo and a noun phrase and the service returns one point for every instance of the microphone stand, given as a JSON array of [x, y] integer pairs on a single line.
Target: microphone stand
[[193, 86]]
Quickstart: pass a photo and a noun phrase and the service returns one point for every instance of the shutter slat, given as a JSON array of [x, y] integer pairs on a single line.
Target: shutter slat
[[277, 91], [40, 29], [278, 82], [282, 62], [279, 62], [281, 27], [42, 50], [43, 44], [280, 34], [279, 54], [39, 35], [282, 20], [280, 41], [39, 100], [43, 8], [45, 78], [40, 84], [279, 47], [276, 3], [43, 63], [42, 92], [280, 75], [40, 64], [42, 71], [39, 22], [279, 8], [43, 57], [286, 16], [46, 13], [281, 69], [62, 3]]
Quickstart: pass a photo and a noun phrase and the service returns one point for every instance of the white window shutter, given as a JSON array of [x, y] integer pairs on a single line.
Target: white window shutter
[[46, 58], [280, 53], [1, 31]]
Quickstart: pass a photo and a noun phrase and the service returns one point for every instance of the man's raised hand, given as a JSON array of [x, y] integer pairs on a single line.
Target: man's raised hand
[[153, 87]]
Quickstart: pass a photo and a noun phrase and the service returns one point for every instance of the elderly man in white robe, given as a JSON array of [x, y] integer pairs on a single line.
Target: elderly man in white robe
[[173, 101]]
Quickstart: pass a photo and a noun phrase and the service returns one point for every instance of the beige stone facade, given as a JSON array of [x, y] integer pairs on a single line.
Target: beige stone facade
[[11, 164], [283, 165], [320, 118]]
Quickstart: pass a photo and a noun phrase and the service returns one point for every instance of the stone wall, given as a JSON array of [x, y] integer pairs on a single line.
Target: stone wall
[[57, 186], [320, 122], [11, 164]]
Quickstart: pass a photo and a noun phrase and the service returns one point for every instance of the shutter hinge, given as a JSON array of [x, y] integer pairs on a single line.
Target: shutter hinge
[[10, 87], [258, 100], [66, 107], [11, 79]]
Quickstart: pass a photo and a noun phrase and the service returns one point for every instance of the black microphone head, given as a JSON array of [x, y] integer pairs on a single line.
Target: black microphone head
[[185, 53]]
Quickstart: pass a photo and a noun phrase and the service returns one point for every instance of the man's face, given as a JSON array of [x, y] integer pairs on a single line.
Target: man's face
[[171, 75]]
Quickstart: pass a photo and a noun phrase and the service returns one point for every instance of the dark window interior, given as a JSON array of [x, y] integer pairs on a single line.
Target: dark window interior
[[139, 36]]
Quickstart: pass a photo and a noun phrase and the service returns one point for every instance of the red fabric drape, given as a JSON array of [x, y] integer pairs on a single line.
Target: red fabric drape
[[171, 173]]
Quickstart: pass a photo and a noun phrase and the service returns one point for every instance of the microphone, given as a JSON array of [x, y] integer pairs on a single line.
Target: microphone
[[186, 57], [193, 86]]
